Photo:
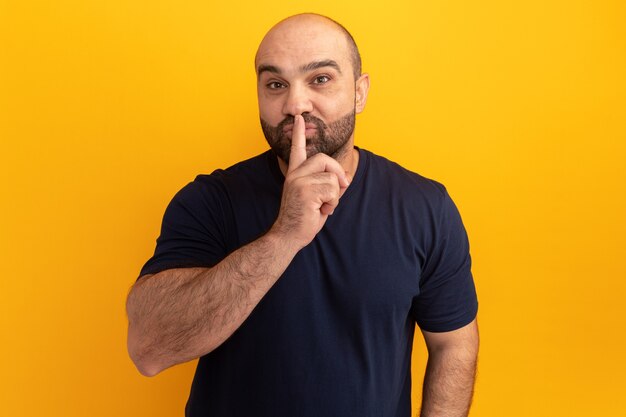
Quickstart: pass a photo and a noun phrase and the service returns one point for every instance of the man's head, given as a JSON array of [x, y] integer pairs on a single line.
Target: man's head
[[309, 64]]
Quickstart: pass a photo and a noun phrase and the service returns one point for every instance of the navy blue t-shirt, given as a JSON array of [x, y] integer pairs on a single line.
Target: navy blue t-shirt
[[333, 336]]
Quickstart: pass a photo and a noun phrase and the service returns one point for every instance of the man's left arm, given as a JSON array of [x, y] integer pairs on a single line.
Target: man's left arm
[[450, 372]]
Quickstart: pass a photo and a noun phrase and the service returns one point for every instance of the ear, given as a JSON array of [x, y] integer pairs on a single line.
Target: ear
[[362, 88]]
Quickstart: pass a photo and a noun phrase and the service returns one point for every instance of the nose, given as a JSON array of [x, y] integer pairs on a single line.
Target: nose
[[297, 101]]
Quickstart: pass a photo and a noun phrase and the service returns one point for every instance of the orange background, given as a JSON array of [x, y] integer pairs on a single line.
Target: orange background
[[107, 108]]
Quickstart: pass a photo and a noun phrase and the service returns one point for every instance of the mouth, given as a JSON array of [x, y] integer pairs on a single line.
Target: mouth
[[309, 129]]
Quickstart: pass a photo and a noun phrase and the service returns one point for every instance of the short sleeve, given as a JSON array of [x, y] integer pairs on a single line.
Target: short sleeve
[[194, 228], [447, 298]]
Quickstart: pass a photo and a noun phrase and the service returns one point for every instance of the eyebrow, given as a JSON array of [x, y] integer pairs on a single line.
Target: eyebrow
[[267, 68], [311, 66], [320, 64]]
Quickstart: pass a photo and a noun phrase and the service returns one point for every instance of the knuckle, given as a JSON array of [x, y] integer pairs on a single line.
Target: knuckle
[[327, 177], [326, 191]]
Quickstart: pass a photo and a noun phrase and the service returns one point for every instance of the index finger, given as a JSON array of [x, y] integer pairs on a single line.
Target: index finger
[[298, 144]]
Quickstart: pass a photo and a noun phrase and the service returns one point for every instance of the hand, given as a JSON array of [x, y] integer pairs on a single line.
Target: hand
[[311, 191]]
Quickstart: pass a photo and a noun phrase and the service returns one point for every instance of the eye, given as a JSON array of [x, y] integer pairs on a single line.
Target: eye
[[321, 79], [275, 85]]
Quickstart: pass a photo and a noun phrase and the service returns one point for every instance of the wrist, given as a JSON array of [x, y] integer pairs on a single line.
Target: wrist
[[283, 240]]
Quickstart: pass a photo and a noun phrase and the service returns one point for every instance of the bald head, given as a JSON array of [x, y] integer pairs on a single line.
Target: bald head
[[298, 28]]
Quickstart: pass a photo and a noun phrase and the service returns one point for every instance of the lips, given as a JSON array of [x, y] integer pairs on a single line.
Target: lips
[[309, 127]]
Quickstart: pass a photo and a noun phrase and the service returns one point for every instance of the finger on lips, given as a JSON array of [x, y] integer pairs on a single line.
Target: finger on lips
[[297, 154], [318, 163]]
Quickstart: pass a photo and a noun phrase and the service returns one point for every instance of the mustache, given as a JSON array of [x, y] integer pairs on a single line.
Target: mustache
[[289, 120]]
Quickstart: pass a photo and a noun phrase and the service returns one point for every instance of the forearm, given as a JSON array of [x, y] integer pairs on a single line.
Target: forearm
[[449, 383], [181, 314]]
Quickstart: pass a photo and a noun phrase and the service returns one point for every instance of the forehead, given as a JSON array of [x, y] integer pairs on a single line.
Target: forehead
[[294, 43]]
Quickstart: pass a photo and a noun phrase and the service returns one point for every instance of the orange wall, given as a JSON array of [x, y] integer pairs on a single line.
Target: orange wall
[[107, 108]]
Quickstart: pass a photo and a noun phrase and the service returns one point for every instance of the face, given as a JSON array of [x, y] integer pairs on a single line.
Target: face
[[304, 67]]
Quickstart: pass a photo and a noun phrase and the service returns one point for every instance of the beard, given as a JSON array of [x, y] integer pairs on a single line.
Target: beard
[[329, 139]]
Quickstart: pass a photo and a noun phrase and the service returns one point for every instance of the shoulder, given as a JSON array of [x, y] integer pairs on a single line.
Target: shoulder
[[399, 180], [221, 181], [252, 167], [209, 190]]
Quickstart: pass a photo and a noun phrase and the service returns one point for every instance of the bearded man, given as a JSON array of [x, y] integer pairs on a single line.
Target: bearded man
[[297, 277]]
